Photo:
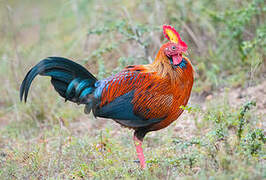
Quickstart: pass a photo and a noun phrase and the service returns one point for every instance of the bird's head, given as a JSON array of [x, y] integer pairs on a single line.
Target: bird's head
[[175, 48]]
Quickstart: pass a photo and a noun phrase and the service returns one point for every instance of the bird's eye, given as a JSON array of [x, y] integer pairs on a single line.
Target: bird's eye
[[173, 47]]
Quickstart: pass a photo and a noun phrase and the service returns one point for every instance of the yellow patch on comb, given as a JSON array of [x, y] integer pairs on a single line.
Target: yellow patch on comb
[[171, 35]]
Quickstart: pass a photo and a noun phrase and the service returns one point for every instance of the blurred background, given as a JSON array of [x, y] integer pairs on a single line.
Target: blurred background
[[223, 123]]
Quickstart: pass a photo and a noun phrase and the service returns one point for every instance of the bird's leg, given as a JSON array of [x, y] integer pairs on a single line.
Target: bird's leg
[[138, 144]]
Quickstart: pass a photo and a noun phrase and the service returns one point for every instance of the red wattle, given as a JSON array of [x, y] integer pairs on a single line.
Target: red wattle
[[177, 59]]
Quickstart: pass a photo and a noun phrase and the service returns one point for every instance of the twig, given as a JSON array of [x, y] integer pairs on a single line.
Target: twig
[[193, 36], [245, 108]]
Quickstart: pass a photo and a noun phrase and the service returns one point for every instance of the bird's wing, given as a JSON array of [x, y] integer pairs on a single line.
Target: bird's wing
[[135, 97]]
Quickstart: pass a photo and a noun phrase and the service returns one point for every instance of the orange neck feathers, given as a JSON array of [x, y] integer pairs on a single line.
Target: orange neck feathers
[[163, 67]]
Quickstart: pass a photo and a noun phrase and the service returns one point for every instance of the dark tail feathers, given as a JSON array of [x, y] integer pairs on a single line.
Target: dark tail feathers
[[70, 80]]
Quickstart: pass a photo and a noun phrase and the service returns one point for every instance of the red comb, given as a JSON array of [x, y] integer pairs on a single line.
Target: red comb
[[165, 27]]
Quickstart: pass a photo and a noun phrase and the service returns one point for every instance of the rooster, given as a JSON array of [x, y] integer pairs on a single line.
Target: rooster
[[142, 97]]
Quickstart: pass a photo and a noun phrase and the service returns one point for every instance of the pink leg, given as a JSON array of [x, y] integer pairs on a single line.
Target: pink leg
[[139, 150]]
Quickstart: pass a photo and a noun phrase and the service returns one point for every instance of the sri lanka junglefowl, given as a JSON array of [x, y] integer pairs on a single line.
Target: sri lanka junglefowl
[[142, 97]]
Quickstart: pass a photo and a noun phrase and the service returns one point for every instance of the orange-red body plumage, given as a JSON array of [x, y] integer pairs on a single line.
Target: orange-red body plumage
[[157, 87]]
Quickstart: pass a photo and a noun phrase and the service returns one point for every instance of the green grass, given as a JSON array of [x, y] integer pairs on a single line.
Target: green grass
[[219, 136]]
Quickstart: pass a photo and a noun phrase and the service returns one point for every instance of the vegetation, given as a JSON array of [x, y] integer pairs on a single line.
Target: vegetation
[[218, 136]]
